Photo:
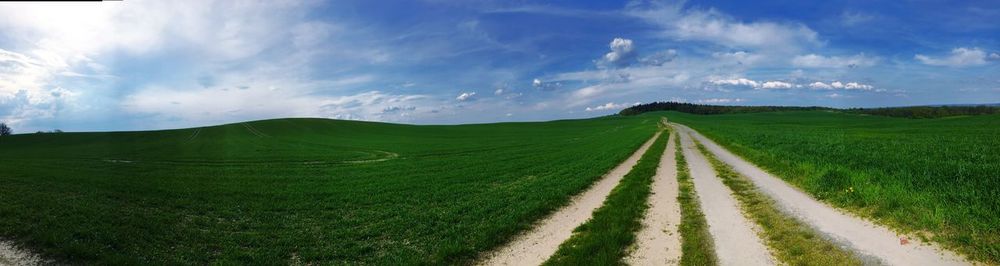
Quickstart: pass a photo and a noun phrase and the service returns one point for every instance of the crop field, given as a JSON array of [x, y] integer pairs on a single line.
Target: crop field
[[299, 190], [937, 178]]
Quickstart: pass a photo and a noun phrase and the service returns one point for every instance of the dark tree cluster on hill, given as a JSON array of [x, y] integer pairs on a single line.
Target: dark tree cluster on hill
[[704, 109], [928, 111], [905, 112], [5, 130]]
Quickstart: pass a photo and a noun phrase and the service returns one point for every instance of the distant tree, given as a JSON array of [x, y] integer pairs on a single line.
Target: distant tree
[[5, 130]]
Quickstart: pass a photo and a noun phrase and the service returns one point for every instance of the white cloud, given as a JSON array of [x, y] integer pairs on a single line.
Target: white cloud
[[841, 85], [465, 96], [994, 56], [207, 105], [239, 44], [721, 100], [820, 85], [607, 106], [622, 51], [713, 26], [959, 57], [498, 91], [776, 85], [819, 61], [744, 82], [736, 82]]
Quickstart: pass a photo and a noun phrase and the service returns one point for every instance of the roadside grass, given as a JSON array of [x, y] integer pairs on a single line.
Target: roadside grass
[[697, 246], [605, 238], [791, 241], [933, 178], [291, 190]]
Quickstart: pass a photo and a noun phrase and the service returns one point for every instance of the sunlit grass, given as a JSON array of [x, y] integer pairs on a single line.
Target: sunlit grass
[[697, 245]]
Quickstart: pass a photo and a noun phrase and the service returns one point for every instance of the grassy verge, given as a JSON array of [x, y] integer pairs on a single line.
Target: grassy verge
[[604, 239], [791, 241], [696, 243]]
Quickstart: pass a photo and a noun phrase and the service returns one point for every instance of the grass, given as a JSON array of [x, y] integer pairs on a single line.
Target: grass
[[791, 242], [299, 190], [605, 238], [697, 245], [936, 178]]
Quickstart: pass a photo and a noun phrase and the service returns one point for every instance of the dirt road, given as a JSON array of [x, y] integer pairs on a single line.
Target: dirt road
[[870, 240], [736, 241], [538, 244], [659, 242]]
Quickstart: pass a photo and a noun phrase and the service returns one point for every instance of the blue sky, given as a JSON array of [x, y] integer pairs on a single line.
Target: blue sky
[[137, 64]]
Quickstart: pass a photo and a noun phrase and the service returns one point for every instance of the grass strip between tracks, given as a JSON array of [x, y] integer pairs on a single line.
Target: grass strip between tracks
[[604, 239], [696, 243]]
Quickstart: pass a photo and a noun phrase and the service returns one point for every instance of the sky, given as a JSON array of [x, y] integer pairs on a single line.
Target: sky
[[140, 65]]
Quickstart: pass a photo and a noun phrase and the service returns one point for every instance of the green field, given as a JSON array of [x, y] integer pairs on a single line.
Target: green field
[[299, 190], [939, 178]]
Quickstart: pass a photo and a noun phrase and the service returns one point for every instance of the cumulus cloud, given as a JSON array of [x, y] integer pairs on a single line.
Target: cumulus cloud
[[958, 57], [721, 100], [736, 82], [610, 106], [622, 52], [841, 85], [819, 61], [465, 96], [243, 45], [776, 85], [715, 27], [607, 106]]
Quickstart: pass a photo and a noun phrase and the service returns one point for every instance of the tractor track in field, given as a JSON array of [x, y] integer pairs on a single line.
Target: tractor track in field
[[659, 241], [876, 244], [194, 135], [253, 130], [539, 243], [736, 238]]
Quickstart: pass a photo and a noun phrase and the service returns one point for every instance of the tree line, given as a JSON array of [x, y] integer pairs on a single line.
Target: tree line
[[905, 112]]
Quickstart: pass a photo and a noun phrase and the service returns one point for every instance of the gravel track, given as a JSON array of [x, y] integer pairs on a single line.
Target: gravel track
[[735, 236], [869, 240]]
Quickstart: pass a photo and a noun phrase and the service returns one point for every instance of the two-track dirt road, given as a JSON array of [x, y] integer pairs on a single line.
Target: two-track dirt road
[[871, 241], [736, 239]]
